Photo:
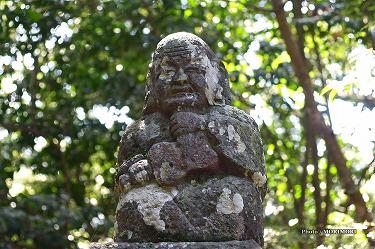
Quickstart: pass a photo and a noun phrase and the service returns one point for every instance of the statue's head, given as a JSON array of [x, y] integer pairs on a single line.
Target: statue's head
[[185, 73]]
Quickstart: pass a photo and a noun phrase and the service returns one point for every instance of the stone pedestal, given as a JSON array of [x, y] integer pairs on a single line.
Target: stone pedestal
[[246, 244]]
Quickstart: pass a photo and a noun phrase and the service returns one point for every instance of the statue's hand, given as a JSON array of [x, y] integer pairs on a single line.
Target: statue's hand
[[135, 171], [187, 122]]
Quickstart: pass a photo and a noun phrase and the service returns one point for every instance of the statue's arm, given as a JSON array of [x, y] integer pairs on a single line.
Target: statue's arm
[[237, 141], [133, 166], [128, 145], [130, 153]]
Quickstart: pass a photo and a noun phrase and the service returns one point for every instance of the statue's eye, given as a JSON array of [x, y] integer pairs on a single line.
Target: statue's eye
[[166, 73], [194, 69]]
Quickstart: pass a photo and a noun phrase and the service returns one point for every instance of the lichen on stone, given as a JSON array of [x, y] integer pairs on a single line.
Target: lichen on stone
[[214, 90], [150, 199], [232, 134], [228, 205], [259, 179], [164, 170], [141, 176]]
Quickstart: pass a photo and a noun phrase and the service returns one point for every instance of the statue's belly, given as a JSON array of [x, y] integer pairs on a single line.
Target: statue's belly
[[217, 209]]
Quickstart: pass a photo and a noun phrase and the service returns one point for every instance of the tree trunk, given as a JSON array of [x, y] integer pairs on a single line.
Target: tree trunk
[[315, 118]]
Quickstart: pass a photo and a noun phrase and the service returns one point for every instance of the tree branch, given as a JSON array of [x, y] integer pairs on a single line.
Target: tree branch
[[320, 69], [368, 101], [297, 5], [298, 205], [364, 171], [327, 198]]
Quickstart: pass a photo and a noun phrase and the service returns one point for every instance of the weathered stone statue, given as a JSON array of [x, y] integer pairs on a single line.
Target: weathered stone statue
[[192, 169]]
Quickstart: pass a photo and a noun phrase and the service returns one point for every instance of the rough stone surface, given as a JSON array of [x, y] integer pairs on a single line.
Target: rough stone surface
[[247, 244], [212, 209], [192, 168]]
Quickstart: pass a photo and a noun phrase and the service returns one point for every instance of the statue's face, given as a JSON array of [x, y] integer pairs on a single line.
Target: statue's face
[[184, 79], [181, 81], [185, 74]]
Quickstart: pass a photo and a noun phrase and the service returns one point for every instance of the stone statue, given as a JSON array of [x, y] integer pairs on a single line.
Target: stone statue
[[192, 168]]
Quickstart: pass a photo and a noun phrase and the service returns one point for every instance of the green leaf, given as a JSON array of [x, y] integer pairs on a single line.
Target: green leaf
[[332, 94], [348, 88], [325, 90]]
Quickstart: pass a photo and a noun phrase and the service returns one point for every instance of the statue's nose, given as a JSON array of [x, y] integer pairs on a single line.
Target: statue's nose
[[180, 77]]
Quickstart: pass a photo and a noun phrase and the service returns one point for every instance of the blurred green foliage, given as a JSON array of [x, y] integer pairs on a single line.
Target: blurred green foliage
[[61, 60]]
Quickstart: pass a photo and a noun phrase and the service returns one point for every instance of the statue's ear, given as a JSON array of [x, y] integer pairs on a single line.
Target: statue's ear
[[151, 103], [224, 83]]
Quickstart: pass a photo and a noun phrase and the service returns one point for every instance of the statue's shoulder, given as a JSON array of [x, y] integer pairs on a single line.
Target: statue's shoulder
[[238, 137], [151, 124], [234, 113], [139, 136]]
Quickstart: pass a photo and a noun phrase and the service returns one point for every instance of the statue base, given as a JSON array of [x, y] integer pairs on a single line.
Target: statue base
[[214, 209], [245, 244]]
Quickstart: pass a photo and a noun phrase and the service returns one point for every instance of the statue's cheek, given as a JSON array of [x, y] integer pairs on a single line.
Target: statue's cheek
[[161, 86], [198, 81], [166, 76]]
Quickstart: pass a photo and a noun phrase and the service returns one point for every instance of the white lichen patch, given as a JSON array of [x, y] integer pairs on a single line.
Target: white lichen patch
[[231, 132], [139, 172], [194, 51], [214, 90], [238, 202], [259, 179], [167, 71], [142, 125], [174, 191], [228, 205], [150, 199], [141, 176], [233, 135], [116, 227], [206, 190], [138, 165], [211, 126], [129, 234], [152, 129]]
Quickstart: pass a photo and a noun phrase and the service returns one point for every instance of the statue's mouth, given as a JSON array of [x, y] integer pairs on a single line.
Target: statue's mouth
[[181, 96], [180, 91]]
